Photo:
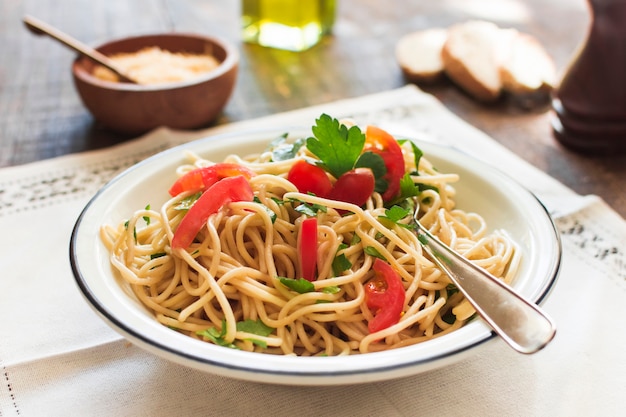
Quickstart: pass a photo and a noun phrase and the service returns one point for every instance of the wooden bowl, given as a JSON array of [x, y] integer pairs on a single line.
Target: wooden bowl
[[134, 109]]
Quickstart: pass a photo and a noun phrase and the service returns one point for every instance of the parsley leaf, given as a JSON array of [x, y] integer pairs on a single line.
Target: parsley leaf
[[273, 216], [300, 285], [216, 336], [333, 289], [337, 147], [417, 152], [282, 151], [372, 251], [308, 209], [408, 189], [255, 327], [395, 214], [340, 264], [187, 202], [147, 218]]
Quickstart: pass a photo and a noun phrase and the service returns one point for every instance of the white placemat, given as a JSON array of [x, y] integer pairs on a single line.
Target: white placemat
[[58, 358]]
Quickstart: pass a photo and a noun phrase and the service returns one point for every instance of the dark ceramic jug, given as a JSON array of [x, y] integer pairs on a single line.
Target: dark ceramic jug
[[590, 102]]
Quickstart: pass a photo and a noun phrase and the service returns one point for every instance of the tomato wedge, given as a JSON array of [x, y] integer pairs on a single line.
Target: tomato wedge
[[383, 144], [384, 294], [355, 186], [309, 178], [307, 248], [202, 178], [213, 199]]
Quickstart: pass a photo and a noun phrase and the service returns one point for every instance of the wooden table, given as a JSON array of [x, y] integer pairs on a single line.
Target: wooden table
[[41, 115]]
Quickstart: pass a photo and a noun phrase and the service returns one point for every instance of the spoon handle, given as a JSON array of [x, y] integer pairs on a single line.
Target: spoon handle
[[41, 28], [523, 325]]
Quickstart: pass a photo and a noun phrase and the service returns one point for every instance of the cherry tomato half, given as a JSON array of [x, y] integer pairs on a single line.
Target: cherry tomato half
[[384, 294], [309, 178], [355, 186]]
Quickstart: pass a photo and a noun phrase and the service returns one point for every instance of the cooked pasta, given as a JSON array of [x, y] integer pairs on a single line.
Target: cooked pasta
[[232, 279]]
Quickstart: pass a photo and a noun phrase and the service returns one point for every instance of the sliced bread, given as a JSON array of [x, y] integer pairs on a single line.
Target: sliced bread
[[419, 54], [481, 58], [471, 57], [526, 68]]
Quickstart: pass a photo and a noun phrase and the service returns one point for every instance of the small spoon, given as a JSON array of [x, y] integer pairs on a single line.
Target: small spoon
[[522, 324], [38, 27]]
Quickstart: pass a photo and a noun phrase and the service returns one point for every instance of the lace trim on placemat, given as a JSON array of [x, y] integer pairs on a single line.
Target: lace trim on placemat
[[594, 244], [65, 183]]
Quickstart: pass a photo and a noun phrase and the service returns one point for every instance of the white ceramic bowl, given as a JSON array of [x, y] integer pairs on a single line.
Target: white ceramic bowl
[[500, 200]]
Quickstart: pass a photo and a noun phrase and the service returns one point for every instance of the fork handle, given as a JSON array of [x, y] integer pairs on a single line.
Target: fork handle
[[522, 324]]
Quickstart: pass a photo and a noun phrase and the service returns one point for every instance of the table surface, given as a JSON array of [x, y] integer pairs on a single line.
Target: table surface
[[41, 115]]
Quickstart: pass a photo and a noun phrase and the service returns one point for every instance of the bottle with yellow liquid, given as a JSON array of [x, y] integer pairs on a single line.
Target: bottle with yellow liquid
[[293, 25]]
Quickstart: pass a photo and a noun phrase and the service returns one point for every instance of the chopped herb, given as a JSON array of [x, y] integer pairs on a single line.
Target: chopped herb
[[216, 336], [333, 289], [278, 201], [423, 187], [282, 151], [372, 251], [335, 145], [451, 289], [157, 255], [300, 285], [187, 202], [407, 187], [255, 327], [340, 264], [276, 142], [395, 214], [269, 212], [310, 210], [448, 317], [417, 152], [147, 218]]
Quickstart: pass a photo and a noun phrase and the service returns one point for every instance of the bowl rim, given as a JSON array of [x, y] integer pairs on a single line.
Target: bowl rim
[[230, 62], [241, 365]]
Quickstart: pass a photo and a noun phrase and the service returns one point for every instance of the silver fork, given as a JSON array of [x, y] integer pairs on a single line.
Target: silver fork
[[522, 324]]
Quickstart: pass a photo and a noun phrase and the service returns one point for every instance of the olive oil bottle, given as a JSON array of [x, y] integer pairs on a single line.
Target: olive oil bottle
[[293, 25]]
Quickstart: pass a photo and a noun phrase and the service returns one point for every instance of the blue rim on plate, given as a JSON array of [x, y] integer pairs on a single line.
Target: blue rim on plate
[[499, 199]]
